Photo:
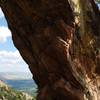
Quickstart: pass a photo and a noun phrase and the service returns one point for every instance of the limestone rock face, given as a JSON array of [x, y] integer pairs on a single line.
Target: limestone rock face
[[65, 63]]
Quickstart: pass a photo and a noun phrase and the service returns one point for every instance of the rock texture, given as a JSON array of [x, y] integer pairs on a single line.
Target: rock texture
[[61, 51]]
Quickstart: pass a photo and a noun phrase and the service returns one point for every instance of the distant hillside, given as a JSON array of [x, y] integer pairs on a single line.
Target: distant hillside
[[7, 93]]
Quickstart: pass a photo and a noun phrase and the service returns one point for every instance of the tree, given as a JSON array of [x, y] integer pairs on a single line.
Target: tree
[[59, 40]]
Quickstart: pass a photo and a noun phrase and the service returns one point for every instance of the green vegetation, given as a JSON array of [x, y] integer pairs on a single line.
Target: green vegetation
[[98, 1], [7, 93]]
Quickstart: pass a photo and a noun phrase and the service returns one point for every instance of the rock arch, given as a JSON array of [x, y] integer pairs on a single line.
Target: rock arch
[[63, 62]]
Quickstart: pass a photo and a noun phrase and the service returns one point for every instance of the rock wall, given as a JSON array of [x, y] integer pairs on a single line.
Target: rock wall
[[63, 65]]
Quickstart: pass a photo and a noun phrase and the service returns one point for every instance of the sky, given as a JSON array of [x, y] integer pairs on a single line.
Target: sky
[[10, 59]]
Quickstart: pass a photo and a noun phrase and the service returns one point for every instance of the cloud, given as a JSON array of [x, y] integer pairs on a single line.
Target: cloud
[[1, 13], [12, 61], [9, 58], [4, 34]]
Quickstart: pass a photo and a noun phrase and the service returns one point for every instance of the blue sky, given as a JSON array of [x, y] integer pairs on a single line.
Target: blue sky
[[10, 59]]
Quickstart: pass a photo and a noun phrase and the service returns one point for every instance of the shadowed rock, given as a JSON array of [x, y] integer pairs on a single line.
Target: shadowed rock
[[60, 55]]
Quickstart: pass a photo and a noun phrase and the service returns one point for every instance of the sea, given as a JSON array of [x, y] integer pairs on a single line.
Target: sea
[[27, 86]]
